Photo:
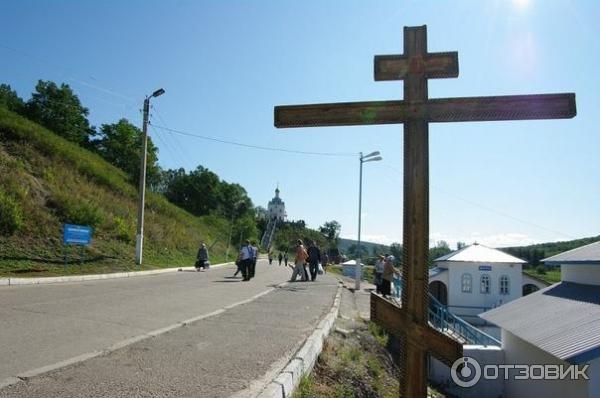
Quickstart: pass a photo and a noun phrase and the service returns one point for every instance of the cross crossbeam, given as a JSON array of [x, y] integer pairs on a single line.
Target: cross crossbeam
[[416, 111], [440, 110]]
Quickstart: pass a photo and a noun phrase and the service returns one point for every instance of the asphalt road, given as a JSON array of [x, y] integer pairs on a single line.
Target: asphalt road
[[217, 356]]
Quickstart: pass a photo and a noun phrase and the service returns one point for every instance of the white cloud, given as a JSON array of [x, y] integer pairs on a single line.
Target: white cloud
[[380, 239], [494, 240]]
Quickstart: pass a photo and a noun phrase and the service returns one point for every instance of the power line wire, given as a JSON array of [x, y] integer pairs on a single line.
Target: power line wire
[[264, 148], [490, 209]]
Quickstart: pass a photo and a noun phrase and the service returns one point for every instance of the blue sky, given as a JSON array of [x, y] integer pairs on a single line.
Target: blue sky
[[225, 64]]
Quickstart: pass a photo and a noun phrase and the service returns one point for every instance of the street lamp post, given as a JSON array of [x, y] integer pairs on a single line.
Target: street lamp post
[[235, 207], [372, 157], [139, 238]]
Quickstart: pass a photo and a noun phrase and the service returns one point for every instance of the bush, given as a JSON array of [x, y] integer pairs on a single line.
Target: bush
[[124, 231], [76, 211], [11, 215], [540, 269]]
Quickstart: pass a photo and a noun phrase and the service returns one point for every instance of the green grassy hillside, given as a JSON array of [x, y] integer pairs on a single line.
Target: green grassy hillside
[[46, 181]]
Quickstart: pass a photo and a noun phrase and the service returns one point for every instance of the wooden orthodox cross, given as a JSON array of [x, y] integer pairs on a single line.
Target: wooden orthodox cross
[[416, 111]]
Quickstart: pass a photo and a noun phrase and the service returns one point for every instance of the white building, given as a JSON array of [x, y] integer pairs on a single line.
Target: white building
[[276, 207], [557, 325], [477, 278]]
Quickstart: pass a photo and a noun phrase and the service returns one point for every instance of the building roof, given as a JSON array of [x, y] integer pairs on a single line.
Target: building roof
[[480, 254], [562, 319], [588, 254], [435, 271]]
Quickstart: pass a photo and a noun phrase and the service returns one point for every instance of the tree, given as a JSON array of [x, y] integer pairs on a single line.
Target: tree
[[59, 110], [353, 251], [460, 245], [396, 251], [331, 231], [10, 100], [441, 248], [121, 144]]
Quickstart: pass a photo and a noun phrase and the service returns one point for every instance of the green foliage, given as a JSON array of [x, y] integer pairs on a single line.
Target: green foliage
[[440, 249], [59, 109], [353, 250], [533, 254], [37, 166], [331, 232], [10, 100], [78, 211], [540, 269], [16, 128], [121, 144], [290, 231], [378, 333], [397, 252], [124, 230], [202, 192], [11, 214]]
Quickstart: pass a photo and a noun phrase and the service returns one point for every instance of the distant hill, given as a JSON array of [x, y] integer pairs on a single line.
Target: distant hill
[[344, 245], [534, 253], [46, 181]]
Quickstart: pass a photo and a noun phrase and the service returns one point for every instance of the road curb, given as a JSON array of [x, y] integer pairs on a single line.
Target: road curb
[[93, 277], [24, 376], [284, 384]]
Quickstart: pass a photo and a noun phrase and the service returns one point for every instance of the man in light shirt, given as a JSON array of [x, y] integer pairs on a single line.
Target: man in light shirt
[[246, 257]]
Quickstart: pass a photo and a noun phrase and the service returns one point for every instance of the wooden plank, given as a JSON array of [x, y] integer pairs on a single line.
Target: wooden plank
[[413, 380], [398, 323], [508, 107], [464, 109], [434, 65], [341, 114]]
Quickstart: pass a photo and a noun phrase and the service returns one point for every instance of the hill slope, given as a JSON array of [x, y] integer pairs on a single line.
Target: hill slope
[[46, 181]]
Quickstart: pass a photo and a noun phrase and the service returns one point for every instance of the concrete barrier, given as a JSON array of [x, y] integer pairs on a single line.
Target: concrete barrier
[[82, 278], [302, 363]]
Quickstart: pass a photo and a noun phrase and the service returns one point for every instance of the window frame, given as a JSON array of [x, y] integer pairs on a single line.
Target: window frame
[[488, 284], [500, 287], [463, 278]]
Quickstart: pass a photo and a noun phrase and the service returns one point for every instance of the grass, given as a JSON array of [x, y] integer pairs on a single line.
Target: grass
[[355, 366], [46, 181], [551, 275]]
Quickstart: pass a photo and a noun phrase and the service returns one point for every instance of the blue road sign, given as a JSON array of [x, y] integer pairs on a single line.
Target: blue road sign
[[485, 268], [77, 234]]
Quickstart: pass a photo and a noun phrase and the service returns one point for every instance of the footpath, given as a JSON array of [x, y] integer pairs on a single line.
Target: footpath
[[180, 334]]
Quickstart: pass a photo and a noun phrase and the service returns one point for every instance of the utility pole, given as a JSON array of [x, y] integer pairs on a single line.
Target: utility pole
[[139, 238]]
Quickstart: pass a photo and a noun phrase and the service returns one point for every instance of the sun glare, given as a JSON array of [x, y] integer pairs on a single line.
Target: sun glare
[[521, 4]]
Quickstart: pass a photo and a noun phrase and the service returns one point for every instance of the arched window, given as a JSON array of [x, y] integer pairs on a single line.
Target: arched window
[[484, 284], [467, 283], [504, 285]]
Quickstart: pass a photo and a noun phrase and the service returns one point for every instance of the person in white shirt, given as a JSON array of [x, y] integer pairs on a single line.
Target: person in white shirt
[[245, 258]]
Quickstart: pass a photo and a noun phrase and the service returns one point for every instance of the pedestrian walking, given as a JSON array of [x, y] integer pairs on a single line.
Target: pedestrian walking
[[285, 257], [270, 257], [388, 276], [299, 261], [314, 258], [379, 265], [202, 258], [245, 260], [254, 259], [280, 258], [325, 261]]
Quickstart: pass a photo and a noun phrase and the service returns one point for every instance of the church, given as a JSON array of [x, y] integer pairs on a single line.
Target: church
[[478, 278], [276, 207]]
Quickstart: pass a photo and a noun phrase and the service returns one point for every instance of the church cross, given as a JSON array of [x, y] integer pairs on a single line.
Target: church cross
[[416, 111]]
